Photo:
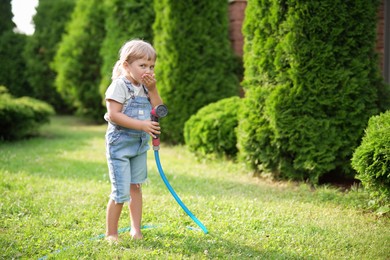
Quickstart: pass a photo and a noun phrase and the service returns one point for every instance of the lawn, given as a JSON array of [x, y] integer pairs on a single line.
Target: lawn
[[54, 190]]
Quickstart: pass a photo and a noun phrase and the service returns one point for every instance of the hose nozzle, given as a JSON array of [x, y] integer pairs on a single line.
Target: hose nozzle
[[156, 113]]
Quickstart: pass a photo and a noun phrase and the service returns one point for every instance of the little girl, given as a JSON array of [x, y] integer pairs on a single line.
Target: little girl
[[129, 99]]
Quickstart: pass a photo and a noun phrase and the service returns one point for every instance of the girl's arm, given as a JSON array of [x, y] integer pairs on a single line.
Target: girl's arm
[[155, 98], [114, 111]]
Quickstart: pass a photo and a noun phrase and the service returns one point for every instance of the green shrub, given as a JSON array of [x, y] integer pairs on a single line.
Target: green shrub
[[195, 64], [312, 81], [21, 117], [371, 159], [212, 129]]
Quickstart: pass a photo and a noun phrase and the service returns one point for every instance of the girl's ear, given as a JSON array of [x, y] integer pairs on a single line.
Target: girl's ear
[[126, 65]]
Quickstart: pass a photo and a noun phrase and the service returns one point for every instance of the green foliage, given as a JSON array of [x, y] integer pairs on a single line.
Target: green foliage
[[371, 159], [312, 80], [12, 44], [195, 64], [12, 63], [41, 47], [125, 20], [6, 23], [78, 62], [212, 129], [21, 117]]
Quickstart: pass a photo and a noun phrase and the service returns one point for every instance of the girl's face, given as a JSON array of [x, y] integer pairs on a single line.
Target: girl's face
[[138, 68]]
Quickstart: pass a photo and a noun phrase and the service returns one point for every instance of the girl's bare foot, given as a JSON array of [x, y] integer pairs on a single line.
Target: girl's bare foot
[[112, 239], [136, 235]]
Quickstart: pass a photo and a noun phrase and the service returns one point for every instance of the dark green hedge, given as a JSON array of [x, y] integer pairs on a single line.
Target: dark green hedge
[[125, 20], [195, 64], [49, 22], [212, 129], [312, 82], [78, 61], [371, 159], [12, 63], [6, 23], [21, 117]]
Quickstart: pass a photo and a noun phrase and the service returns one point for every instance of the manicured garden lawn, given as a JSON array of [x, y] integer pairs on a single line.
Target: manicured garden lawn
[[54, 189]]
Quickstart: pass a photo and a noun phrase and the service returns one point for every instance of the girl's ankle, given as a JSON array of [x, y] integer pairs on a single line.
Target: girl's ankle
[[136, 235]]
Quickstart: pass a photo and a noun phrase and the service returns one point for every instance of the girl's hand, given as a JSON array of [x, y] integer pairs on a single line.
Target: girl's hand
[[149, 81], [150, 127]]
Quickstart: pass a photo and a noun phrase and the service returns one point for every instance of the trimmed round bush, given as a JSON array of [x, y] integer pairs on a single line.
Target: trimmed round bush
[[212, 129], [21, 117], [371, 159]]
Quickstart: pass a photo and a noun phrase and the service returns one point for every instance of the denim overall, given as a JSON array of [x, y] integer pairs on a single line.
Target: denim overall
[[126, 148]]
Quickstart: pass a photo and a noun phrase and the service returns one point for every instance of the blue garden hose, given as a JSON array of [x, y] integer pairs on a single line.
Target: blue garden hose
[[172, 191]]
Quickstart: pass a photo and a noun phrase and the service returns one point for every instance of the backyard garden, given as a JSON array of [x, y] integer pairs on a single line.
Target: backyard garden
[[281, 152]]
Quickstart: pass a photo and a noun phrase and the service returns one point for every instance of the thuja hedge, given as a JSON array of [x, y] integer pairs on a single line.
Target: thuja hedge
[[312, 82], [124, 20], [212, 129], [78, 61], [21, 117], [12, 63], [195, 64], [40, 48], [371, 159]]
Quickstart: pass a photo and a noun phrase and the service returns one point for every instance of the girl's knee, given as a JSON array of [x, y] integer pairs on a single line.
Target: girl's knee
[[135, 187]]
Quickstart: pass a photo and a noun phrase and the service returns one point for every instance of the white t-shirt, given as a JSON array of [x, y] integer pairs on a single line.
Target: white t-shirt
[[119, 92]]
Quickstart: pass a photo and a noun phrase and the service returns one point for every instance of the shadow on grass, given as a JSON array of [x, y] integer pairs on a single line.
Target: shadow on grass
[[162, 243], [195, 187], [196, 246]]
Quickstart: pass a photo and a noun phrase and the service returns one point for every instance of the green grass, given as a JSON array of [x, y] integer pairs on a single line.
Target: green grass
[[54, 190]]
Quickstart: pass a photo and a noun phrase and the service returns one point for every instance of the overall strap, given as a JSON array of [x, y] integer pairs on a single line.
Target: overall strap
[[146, 92], [129, 86]]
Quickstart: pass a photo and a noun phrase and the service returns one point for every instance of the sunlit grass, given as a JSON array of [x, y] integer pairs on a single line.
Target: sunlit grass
[[54, 189]]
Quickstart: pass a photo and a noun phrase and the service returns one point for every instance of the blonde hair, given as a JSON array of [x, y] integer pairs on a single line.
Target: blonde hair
[[131, 51]]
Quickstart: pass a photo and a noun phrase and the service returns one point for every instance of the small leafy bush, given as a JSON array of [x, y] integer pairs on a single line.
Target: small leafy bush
[[21, 117], [371, 159], [212, 129]]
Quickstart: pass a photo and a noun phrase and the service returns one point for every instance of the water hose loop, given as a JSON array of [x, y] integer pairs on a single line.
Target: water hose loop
[[172, 191]]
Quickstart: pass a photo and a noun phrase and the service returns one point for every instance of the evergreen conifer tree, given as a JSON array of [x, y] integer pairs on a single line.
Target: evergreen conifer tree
[[78, 61], [195, 64], [6, 23], [125, 20], [49, 21], [12, 64], [312, 82]]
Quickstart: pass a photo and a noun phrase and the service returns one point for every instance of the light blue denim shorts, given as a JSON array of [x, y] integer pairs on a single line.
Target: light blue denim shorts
[[127, 162]]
